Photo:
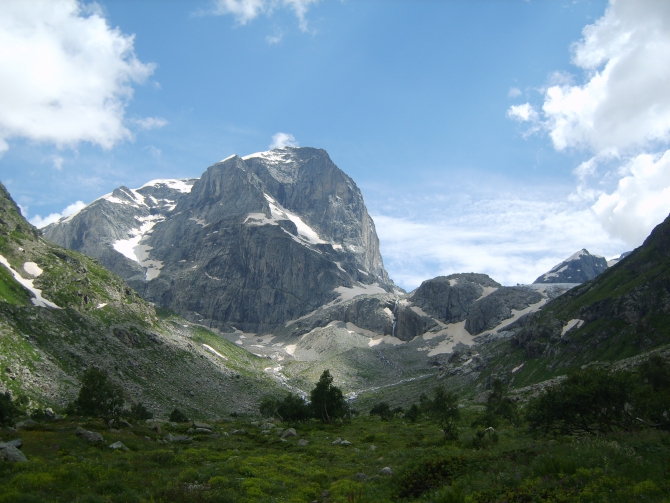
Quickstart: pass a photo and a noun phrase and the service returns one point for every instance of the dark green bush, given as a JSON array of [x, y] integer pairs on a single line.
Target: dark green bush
[[428, 475], [498, 406], [99, 396], [139, 412], [592, 400], [412, 413], [443, 408], [177, 416], [9, 411], [383, 410]]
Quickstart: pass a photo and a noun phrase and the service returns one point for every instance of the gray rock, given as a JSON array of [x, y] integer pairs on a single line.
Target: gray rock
[[302, 442], [17, 442], [118, 446], [125, 423], [337, 441], [267, 426], [12, 454], [361, 476], [197, 425], [90, 436], [490, 311], [241, 431], [289, 433], [212, 245], [203, 431], [386, 471], [28, 423], [449, 298], [190, 431], [345, 443], [156, 428], [580, 267]]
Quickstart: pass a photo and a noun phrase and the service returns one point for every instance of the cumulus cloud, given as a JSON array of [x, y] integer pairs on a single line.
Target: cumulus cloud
[[641, 200], [620, 111], [151, 122], [68, 75], [281, 140], [247, 10], [624, 102], [523, 113], [73, 208]]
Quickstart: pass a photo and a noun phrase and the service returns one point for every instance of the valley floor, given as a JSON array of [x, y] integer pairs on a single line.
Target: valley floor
[[386, 461]]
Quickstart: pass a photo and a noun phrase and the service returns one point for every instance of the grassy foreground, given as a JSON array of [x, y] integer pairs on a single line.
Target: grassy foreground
[[518, 467]]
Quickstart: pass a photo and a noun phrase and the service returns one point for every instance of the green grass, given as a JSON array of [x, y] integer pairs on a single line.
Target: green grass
[[519, 467], [11, 291]]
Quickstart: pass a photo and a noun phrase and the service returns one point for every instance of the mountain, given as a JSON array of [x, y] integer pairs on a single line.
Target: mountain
[[255, 242], [616, 260], [578, 268], [61, 312]]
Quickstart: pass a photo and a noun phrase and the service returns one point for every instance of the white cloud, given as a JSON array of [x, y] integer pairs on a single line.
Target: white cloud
[[641, 200], [619, 112], [514, 92], [281, 140], [68, 75], [274, 39], [151, 122], [511, 239], [523, 113], [247, 10], [58, 162], [40, 222], [624, 102]]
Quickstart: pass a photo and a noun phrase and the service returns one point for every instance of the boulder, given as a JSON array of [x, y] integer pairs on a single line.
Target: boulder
[[241, 431], [345, 443], [203, 426], [203, 430], [302, 442], [289, 433], [90, 436], [17, 442], [337, 441], [12, 454], [386, 471], [118, 446]]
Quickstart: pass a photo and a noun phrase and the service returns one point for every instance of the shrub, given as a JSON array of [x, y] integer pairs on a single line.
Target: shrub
[[428, 475], [293, 408], [383, 410], [443, 408], [591, 401], [177, 416], [412, 413], [8, 409], [99, 396], [327, 400], [498, 406], [140, 412]]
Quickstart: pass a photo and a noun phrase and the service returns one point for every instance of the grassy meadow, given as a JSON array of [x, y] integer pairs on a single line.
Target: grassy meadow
[[513, 465]]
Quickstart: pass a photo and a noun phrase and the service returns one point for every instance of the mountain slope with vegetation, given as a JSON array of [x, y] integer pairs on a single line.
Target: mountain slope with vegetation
[[62, 312]]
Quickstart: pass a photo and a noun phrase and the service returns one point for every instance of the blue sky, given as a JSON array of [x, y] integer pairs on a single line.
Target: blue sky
[[487, 136]]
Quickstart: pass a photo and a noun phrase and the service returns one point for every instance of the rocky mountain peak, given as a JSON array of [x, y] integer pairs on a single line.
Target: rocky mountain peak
[[578, 268], [255, 241]]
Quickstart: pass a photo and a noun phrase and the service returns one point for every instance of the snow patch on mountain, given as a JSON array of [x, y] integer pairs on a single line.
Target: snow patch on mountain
[[37, 300], [133, 250]]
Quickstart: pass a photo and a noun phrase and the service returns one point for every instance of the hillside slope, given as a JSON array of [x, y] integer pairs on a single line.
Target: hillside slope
[[61, 312]]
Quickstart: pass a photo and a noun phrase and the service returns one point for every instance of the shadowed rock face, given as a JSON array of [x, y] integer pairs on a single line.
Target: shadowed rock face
[[580, 267], [253, 243], [449, 298]]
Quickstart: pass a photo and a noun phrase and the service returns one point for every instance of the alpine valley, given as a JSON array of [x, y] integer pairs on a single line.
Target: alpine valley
[[208, 294]]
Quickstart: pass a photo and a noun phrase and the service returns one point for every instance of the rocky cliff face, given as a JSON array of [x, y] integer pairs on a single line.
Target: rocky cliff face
[[255, 242], [580, 267]]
